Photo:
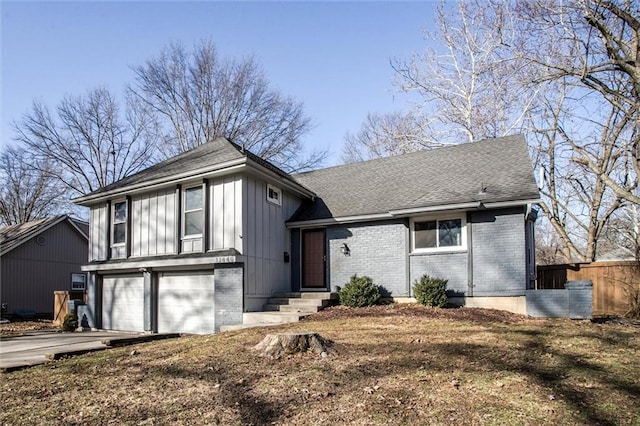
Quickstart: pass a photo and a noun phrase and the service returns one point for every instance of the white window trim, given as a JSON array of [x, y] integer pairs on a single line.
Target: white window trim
[[184, 211], [114, 223], [440, 217], [276, 201]]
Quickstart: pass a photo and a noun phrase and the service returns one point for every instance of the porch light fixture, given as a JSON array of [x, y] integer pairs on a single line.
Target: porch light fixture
[[344, 249]]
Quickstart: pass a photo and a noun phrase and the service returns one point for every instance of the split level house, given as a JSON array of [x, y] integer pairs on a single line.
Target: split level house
[[192, 243]]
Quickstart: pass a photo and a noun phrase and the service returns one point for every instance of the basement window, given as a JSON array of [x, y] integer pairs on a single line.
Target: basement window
[[274, 195]]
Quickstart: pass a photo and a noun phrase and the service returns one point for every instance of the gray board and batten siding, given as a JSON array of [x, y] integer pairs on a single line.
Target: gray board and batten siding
[[266, 243]]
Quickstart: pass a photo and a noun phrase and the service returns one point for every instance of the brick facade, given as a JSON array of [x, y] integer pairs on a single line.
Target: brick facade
[[378, 250], [228, 280], [499, 252]]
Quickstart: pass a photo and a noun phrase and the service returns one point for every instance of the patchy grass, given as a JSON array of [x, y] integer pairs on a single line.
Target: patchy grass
[[393, 365]]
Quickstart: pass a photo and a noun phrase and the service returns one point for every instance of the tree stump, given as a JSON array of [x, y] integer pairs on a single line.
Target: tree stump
[[277, 345]]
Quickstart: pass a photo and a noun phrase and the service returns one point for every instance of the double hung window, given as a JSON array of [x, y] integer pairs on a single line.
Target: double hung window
[[193, 218], [119, 221]]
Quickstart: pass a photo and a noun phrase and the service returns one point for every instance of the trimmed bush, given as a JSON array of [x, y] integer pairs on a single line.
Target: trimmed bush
[[430, 291], [69, 323], [359, 292]]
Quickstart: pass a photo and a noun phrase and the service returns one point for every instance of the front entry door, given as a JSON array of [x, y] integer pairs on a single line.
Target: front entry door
[[313, 259]]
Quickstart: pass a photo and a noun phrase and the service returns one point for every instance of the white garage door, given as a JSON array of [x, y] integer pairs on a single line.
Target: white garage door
[[123, 303], [186, 302]]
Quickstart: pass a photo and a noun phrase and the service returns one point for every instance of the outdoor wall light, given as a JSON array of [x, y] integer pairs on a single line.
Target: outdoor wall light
[[344, 249]]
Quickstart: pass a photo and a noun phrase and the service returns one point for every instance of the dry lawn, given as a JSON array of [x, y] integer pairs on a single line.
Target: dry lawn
[[392, 365]]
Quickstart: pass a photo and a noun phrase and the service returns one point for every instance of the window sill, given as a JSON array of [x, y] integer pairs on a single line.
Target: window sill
[[191, 237], [438, 252]]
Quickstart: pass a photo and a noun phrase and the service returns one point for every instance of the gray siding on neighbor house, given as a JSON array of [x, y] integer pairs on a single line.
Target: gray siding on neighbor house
[[499, 252], [378, 250], [451, 266], [31, 272], [98, 232], [153, 223], [265, 241]]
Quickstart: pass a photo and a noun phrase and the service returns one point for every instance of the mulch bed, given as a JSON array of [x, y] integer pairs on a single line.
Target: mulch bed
[[416, 310]]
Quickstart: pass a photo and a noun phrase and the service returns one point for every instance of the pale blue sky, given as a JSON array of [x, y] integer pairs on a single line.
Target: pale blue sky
[[332, 56]]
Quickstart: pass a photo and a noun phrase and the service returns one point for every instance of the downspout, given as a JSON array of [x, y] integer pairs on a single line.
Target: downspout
[[206, 211], [109, 230], [178, 214], [469, 256], [407, 252], [127, 238]]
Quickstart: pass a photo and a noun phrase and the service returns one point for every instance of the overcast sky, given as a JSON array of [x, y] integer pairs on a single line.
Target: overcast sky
[[332, 56]]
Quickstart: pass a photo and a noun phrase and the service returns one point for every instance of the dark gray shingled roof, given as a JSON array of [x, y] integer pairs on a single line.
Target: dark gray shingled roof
[[208, 155], [443, 176]]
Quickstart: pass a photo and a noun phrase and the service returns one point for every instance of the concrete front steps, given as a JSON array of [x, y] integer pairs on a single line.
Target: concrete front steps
[[284, 308]]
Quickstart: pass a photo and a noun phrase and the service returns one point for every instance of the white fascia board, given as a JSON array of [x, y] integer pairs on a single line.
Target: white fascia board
[[289, 183], [159, 263], [513, 203], [218, 169], [418, 210], [339, 220]]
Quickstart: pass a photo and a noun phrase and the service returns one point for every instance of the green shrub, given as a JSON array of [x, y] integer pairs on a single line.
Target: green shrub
[[431, 291], [358, 292], [69, 323]]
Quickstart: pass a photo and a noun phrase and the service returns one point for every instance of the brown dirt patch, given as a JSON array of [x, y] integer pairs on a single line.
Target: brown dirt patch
[[17, 328], [418, 311]]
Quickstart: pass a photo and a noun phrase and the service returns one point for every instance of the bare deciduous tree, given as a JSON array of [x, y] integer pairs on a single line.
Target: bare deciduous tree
[[87, 143], [199, 96], [594, 46], [558, 71], [383, 135], [27, 191], [468, 86]]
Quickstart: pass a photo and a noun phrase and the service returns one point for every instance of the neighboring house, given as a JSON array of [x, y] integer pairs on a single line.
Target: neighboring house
[[191, 243], [38, 258]]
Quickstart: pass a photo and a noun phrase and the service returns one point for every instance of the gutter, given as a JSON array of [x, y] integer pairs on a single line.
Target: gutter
[[220, 169], [223, 168], [476, 205]]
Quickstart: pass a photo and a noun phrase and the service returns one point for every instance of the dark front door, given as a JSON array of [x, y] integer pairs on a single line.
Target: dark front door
[[313, 258]]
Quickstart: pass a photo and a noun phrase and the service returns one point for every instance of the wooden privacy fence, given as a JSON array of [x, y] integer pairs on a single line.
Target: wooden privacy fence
[[60, 299], [614, 283]]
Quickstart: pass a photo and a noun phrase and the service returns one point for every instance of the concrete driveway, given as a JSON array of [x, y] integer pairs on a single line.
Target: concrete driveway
[[40, 347]]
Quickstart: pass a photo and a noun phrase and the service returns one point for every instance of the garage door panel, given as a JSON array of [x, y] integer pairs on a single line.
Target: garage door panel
[[186, 303], [123, 303]]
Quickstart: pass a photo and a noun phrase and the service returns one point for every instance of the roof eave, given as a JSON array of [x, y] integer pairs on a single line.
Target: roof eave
[[399, 213], [285, 181], [222, 168]]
